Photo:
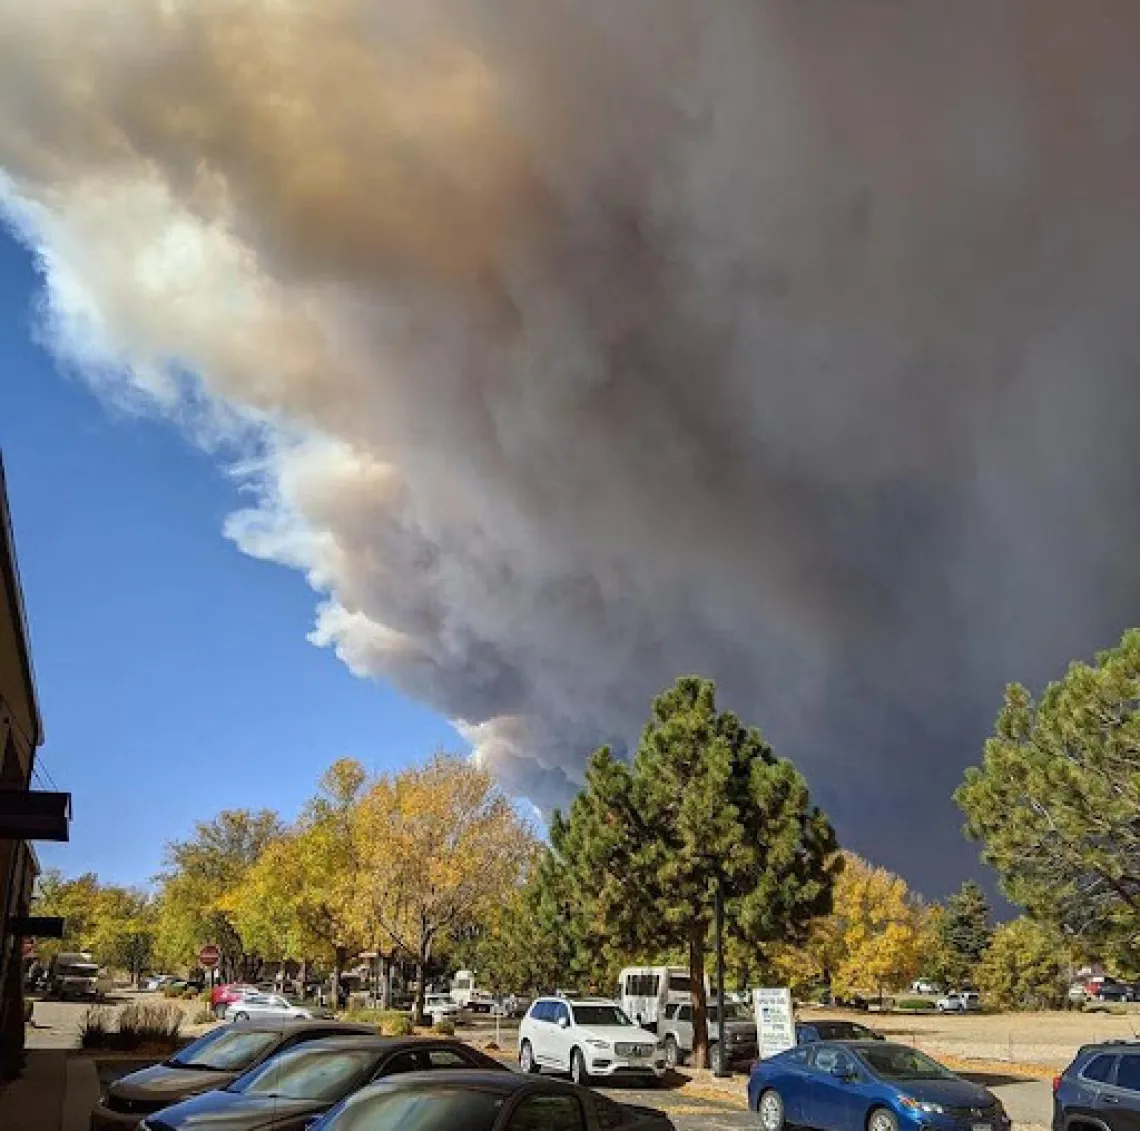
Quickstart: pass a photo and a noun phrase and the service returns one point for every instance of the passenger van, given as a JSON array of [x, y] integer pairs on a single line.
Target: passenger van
[[645, 991]]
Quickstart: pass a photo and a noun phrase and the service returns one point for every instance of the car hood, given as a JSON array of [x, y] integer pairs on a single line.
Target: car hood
[[233, 1111], [950, 1093], [614, 1033], [166, 1082]]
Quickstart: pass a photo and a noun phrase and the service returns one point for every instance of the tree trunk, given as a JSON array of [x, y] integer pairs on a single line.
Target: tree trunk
[[421, 989], [385, 983], [697, 987], [339, 956]]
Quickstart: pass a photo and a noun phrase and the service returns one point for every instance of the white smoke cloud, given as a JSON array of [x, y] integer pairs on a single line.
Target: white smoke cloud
[[573, 346]]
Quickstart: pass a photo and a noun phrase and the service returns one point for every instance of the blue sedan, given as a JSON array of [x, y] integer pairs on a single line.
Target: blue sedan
[[867, 1086]]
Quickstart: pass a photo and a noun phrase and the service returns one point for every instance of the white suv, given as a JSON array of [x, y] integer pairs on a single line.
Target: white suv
[[587, 1037], [961, 1001]]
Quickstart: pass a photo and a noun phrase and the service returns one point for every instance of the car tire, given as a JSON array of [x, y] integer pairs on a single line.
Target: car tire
[[672, 1053], [882, 1119], [527, 1063], [770, 1108], [578, 1072], [241, 1016]]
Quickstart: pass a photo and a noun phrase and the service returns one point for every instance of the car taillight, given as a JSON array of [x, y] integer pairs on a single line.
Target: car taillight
[[1056, 1084]]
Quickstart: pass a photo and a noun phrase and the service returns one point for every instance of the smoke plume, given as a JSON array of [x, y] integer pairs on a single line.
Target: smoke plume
[[571, 346]]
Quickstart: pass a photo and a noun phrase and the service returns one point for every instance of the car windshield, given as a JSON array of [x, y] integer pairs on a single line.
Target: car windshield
[[600, 1015], [897, 1062], [309, 1074], [225, 1050], [731, 1013], [425, 1109], [842, 1030]]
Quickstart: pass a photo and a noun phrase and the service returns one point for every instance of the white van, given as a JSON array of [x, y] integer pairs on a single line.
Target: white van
[[467, 995], [645, 991]]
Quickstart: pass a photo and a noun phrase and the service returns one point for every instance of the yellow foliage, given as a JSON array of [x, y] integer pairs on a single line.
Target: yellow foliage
[[872, 941]]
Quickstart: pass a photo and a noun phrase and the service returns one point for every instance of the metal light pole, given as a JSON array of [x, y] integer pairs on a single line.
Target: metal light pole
[[720, 1065]]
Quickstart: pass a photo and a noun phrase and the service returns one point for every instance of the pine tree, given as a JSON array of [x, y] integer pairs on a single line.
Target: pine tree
[[965, 932], [705, 801]]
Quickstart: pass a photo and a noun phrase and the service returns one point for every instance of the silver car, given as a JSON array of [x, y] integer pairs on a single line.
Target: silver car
[[266, 1007]]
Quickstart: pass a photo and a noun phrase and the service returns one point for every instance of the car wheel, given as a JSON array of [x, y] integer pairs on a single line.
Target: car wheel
[[241, 1016], [881, 1119], [672, 1052], [771, 1109], [578, 1071], [219, 1011], [526, 1058]]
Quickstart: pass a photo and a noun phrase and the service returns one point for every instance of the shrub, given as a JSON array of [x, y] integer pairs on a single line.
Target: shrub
[[914, 1003], [204, 1016], [390, 1022], [141, 1025], [95, 1028], [189, 993], [204, 997], [171, 991], [444, 1028]]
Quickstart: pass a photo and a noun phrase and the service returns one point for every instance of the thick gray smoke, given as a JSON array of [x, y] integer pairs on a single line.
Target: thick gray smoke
[[573, 345]]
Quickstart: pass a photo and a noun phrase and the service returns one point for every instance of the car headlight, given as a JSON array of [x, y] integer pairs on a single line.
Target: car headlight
[[598, 1044], [923, 1106]]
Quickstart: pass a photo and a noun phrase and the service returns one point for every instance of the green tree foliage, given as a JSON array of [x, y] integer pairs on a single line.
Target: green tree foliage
[[115, 924], [1055, 800], [964, 933], [1025, 967], [199, 876], [705, 800]]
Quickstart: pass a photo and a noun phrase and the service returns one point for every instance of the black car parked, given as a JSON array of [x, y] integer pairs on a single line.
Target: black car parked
[[808, 1032], [1100, 1090], [487, 1101], [289, 1091], [212, 1061]]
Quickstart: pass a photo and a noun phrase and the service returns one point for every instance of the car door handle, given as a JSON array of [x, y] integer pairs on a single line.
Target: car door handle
[[1111, 1099]]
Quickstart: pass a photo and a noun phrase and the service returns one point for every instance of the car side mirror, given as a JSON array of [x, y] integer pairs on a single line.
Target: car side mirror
[[563, 1022], [841, 1073]]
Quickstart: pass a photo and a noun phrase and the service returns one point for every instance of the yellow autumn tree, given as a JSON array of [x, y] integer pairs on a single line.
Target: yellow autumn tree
[[871, 942], [439, 846]]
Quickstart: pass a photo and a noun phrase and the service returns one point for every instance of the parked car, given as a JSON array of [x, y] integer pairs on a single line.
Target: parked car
[[809, 1032], [675, 1030], [587, 1037], [1114, 991], [212, 1061], [486, 1101], [959, 1001], [223, 996], [924, 987], [1100, 1089], [440, 1007], [871, 1085], [73, 975], [290, 1090], [266, 1007]]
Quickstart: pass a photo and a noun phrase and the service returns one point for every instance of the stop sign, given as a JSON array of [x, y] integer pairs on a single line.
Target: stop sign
[[209, 956], [29, 949]]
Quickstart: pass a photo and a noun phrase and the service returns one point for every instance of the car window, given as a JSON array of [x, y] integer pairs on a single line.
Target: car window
[[797, 1056], [543, 1011], [548, 1113], [897, 1062], [225, 1050], [448, 1058], [806, 1033], [425, 1109], [680, 984], [671, 1012], [307, 1073], [610, 1115], [409, 1061], [600, 1015], [1128, 1072], [1099, 1069], [560, 1010], [828, 1058], [685, 1013]]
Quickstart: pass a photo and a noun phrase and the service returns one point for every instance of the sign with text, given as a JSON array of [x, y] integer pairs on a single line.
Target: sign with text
[[775, 1021]]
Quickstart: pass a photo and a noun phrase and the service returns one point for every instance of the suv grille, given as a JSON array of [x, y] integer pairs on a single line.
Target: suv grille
[[627, 1049], [136, 1107]]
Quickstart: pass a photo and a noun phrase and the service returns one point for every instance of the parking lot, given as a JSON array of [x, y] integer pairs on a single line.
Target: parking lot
[[1041, 1041]]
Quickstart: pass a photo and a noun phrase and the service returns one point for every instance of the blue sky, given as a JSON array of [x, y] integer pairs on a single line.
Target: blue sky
[[173, 672]]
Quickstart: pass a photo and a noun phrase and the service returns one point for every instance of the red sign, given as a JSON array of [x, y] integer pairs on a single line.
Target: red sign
[[209, 956], [29, 948]]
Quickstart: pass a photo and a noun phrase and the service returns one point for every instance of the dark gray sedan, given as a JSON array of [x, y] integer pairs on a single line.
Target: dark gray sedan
[[289, 1091], [212, 1061], [486, 1101]]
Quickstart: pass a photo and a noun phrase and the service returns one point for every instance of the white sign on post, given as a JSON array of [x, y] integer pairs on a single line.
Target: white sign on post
[[775, 1022]]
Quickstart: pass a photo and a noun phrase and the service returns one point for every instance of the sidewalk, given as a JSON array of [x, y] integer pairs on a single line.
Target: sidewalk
[[55, 1093]]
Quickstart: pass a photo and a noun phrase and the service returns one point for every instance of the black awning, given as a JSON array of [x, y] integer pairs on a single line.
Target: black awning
[[29, 814], [36, 926]]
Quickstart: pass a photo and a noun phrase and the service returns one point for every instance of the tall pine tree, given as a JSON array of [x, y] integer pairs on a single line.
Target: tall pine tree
[[704, 801], [965, 931]]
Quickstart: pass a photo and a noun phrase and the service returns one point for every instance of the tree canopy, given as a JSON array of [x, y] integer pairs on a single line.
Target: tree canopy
[[1054, 802], [1024, 967], [964, 933], [705, 801]]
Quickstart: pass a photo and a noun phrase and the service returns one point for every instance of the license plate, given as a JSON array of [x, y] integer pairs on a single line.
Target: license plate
[[982, 1127]]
